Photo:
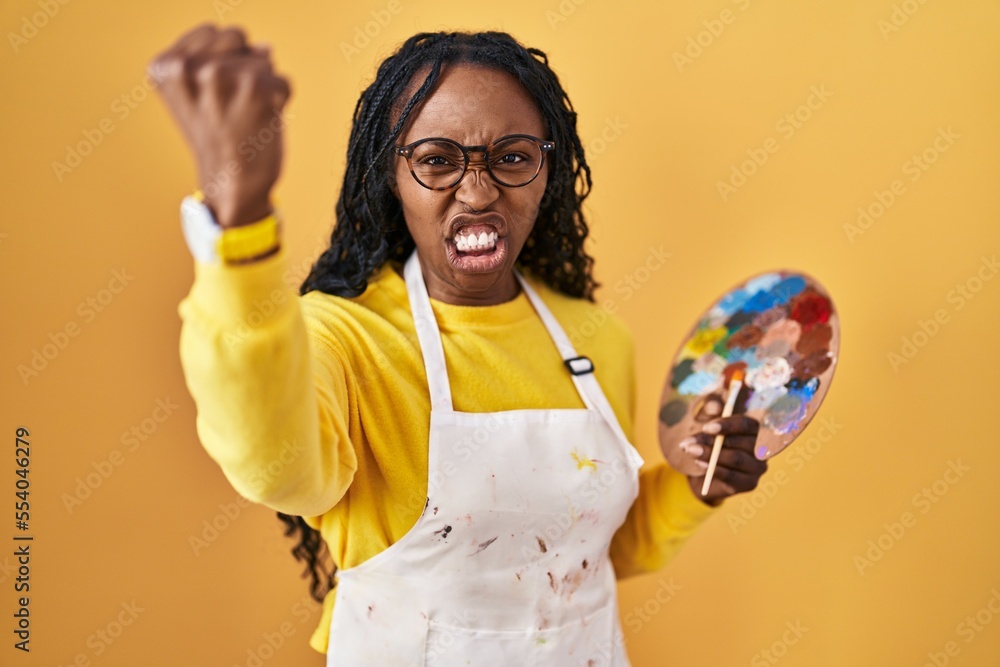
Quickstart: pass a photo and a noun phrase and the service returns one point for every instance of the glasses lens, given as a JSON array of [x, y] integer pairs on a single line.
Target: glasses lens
[[437, 164], [515, 161]]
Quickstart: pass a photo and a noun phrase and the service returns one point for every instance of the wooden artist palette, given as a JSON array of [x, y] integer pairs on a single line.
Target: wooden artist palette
[[782, 330]]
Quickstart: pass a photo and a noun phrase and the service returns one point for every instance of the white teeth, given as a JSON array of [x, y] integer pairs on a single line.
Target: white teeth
[[473, 242]]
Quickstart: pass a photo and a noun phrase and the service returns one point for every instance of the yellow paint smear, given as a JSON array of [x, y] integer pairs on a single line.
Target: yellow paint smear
[[583, 462]]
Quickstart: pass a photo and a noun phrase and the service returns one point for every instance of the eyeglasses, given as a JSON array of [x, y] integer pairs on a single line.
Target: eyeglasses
[[439, 164]]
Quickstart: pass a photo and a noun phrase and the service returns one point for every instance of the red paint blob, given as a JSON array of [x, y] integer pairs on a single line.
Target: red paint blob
[[811, 308]]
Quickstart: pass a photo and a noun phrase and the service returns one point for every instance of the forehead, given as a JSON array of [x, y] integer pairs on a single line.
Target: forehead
[[474, 105]]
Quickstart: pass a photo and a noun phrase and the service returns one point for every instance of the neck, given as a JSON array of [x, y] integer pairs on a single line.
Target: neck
[[504, 289]]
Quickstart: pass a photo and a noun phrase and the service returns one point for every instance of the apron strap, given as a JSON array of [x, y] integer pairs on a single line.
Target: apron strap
[[433, 350], [586, 384], [429, 336]]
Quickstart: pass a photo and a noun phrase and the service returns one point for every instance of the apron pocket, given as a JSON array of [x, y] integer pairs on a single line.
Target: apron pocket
[[594, 641]]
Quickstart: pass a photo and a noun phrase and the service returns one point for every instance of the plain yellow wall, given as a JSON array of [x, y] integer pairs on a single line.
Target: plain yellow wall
[[671, 100]]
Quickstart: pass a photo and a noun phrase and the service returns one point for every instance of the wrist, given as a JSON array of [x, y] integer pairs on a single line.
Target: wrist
[[211, 242], [236, 204], [239, 214]]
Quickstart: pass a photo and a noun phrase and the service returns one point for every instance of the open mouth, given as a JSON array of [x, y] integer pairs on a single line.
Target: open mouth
[[477, 248]]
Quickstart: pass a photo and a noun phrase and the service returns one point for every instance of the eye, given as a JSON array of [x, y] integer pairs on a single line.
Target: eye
[[511, 158], [437, 160]]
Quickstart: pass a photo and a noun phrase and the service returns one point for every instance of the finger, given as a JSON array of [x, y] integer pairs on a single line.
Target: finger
[[195, 38], [260, 81], [687, 458], [244, 74], [737, 481], [736, 452], [217, 75], [227, 40], [282, 91], [741, 461], [170, 67], [281, 86], [742, 442], [698, 446], [223, 42], [735, 425], [220, 44]]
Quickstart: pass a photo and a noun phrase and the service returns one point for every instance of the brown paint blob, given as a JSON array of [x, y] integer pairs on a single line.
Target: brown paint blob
[[811, 366], [815, 340], [746, 336], [770, 316]]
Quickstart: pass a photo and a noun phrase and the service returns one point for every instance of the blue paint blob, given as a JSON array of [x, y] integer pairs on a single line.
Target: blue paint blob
[[805, 390], [785, 414], [760, 302], [788, 288], [764, 282], [732, 301], [749, 356], [696, 383]]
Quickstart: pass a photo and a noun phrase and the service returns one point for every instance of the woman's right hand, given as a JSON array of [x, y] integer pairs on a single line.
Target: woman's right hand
[[227, 101]]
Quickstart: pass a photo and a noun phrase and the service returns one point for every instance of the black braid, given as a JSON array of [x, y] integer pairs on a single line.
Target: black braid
[[371, 231]]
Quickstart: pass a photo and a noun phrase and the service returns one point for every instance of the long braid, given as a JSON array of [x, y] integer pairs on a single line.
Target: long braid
[[370, 227]]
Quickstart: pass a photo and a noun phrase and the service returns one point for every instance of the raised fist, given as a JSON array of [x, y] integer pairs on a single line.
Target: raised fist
[[227, 101]]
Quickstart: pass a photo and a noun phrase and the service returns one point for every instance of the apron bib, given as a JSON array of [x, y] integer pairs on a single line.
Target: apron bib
[[508, 563]]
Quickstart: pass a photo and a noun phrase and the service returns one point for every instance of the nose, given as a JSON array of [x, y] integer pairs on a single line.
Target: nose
[[477, 189]]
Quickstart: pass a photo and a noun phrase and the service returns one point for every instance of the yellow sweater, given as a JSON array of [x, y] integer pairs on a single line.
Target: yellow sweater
[[317, 405]]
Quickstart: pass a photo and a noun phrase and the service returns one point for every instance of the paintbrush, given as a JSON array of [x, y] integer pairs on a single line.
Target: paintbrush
[[735, 384]]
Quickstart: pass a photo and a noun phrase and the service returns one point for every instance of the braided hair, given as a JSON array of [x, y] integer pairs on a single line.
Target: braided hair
[[371, 230]]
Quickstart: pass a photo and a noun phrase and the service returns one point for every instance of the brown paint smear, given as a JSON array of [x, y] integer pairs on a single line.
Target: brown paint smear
[[815, 340]]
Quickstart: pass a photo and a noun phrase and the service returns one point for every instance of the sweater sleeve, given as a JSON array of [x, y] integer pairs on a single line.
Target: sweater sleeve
[[664, 515], [659, 522], [270, 389]]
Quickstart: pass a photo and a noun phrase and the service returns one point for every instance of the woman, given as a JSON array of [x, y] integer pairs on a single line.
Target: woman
[[420, 406]]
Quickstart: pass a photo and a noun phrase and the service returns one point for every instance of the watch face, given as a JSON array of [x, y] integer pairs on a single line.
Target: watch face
[[200, 230]]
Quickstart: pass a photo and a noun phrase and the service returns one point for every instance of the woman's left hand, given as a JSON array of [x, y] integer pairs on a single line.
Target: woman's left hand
[[737, 470]]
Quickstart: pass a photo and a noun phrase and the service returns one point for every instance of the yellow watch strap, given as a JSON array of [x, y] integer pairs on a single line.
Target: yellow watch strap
[[237, 244], [247, 242]]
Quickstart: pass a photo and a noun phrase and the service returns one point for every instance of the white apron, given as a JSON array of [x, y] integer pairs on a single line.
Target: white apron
[[508, 564]]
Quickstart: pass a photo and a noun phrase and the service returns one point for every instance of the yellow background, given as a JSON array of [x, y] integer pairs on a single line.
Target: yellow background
[[662, 133]]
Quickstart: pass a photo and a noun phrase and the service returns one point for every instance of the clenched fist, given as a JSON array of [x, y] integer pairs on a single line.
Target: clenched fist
[[227, 100]]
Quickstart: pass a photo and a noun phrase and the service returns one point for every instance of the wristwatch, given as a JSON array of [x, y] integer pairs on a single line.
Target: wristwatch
[[211, 243]]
